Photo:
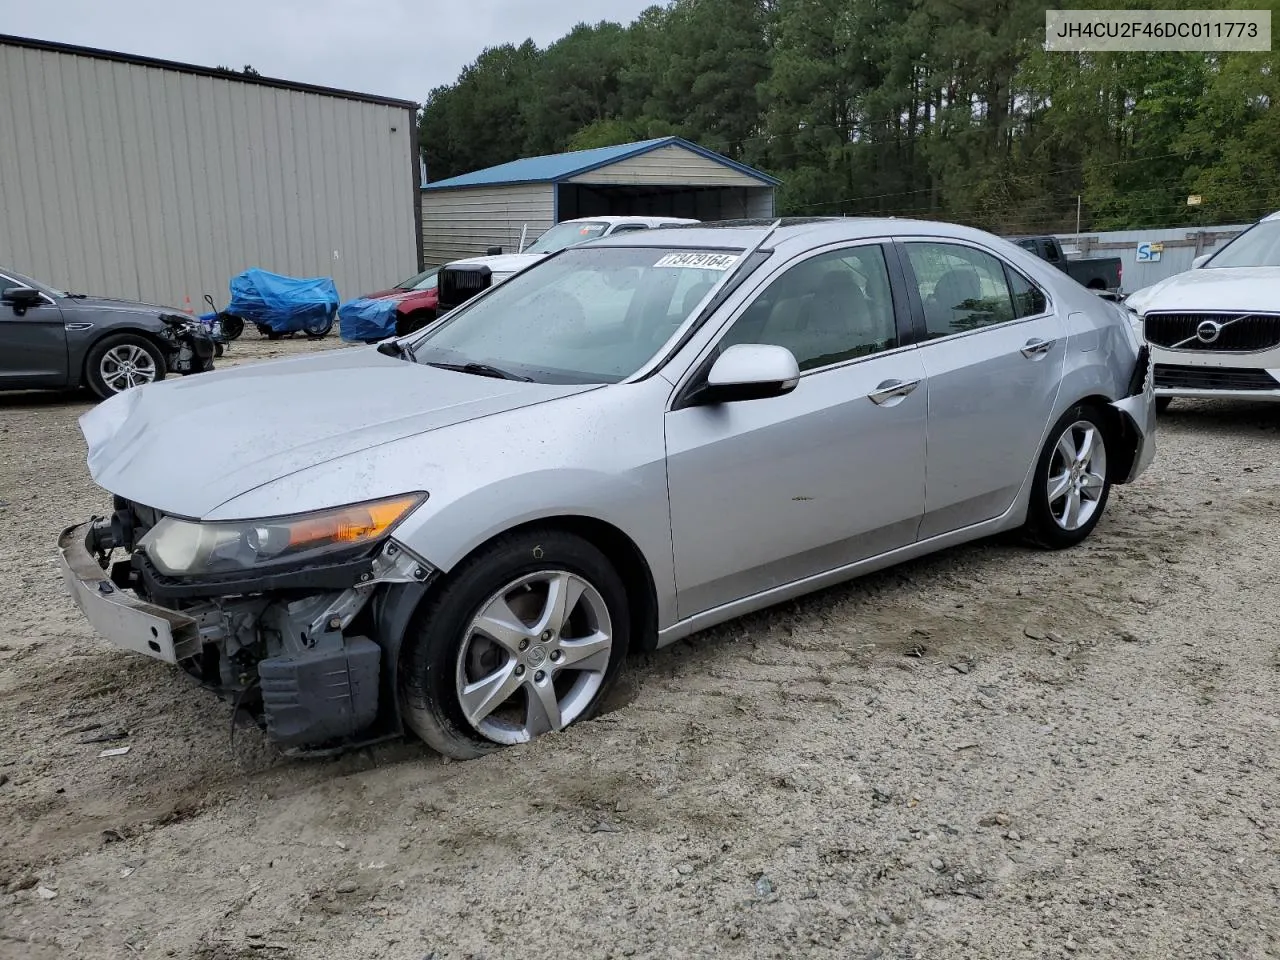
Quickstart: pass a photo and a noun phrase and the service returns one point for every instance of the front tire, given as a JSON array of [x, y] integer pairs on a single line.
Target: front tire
[[232, 326], [1070, 486], [117, 363], [1162, 404], [525, 638]]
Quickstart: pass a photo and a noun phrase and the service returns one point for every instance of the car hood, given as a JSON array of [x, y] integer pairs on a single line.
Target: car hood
[[99, 304], [188, 445], [401, 296], [1211, 290], [506, 263]]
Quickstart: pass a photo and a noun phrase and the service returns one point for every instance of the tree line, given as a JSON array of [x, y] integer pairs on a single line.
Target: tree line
[[946, 109]]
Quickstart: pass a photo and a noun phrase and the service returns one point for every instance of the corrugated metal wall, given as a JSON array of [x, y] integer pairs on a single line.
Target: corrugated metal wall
[[1181, 246], [668, 166], [133, 181], [700, 203], [467, 221]]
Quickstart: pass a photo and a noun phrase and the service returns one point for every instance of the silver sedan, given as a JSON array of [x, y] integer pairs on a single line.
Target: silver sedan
[[462, 532]]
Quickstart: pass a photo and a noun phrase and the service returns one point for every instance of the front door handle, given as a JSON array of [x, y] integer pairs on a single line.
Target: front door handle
[[891, 390], [1035, 347]]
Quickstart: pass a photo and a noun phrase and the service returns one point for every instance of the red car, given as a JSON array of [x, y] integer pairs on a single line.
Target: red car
[[415, 300]]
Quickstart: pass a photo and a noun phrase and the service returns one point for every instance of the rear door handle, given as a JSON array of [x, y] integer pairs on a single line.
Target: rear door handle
[[891, 390], [1035, 347]]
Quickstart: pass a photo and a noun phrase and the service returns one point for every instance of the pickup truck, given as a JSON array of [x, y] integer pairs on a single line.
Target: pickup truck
[[1097, 273]]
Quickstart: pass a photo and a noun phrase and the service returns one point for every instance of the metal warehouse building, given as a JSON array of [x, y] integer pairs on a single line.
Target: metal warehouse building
[[465, 215], [139, 178]]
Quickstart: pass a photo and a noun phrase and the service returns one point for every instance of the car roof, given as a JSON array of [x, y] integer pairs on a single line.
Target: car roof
[[610, 219], [1272, 216], [803, 231]]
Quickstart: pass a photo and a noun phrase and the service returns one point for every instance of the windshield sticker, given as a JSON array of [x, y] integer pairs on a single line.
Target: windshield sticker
[[699, 261]]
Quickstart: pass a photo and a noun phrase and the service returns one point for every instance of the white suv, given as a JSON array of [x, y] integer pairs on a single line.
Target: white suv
[[1214, 331]]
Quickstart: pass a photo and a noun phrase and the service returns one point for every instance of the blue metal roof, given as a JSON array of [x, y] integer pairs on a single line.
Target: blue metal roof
[[562, 166]]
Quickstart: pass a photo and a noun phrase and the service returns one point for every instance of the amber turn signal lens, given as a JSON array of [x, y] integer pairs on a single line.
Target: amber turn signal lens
[[355, 524]]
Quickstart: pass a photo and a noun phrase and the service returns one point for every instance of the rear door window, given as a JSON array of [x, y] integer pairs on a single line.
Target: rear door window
[[961, 288]]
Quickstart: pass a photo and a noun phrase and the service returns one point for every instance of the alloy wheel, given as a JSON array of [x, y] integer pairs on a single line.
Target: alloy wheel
[[1077, 475], [127, 365], [534, 656]]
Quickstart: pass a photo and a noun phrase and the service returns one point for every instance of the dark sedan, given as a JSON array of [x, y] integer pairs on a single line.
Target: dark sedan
[[54, 340]]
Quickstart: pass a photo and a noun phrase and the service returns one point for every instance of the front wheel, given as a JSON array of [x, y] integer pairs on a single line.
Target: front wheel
[[117, 363], [1070, 485], [525, 638], [1162, 404], [232, 326]]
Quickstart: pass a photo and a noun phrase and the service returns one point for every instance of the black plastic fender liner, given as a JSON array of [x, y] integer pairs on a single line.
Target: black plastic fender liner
[[316, 696], [393, 612]]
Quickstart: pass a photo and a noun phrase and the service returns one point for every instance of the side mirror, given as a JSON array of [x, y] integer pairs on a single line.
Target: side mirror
[[493, 252], [22, 297], [1200, 261], [749, 371]]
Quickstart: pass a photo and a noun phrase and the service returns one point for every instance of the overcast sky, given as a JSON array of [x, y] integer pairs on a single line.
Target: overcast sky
[[396, 48]]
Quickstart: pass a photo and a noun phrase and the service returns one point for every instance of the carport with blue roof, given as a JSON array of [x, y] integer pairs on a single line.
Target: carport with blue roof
[[466, 215]]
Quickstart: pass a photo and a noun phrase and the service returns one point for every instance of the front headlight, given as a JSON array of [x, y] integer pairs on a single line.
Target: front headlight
[[181, 548]]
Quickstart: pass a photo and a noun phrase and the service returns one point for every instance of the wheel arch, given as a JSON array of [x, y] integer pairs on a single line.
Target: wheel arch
[[150, 336], [1122, 438], [398, 608]]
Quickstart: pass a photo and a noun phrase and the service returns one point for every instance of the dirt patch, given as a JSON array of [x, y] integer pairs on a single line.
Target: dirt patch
[[992, 752]]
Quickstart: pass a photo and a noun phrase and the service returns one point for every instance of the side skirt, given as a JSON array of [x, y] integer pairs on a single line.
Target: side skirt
[[1011, 518]]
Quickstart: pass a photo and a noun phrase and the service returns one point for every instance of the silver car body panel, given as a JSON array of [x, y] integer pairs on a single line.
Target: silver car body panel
[[768, 499]]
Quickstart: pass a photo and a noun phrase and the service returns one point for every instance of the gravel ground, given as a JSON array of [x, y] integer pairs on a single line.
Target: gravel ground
[[993, 752]]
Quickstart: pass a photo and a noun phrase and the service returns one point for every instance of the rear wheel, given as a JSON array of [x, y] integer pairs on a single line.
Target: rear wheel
[[1070, 485], [320, 327], [117, 363], [525, 638]]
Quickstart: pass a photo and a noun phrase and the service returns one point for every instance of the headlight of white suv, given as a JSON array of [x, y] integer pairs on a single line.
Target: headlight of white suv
[[181, 548]]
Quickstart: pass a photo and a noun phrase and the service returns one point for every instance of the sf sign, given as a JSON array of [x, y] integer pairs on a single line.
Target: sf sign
[[1150, 252]]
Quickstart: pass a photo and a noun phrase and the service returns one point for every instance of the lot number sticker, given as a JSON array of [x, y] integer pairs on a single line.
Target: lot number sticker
[[699, 261]]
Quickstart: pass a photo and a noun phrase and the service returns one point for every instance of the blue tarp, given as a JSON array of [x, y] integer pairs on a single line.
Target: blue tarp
[[285, 304], [364, 320]]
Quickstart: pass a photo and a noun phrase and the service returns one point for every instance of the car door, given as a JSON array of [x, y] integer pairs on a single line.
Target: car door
[[993, 350], [33, 344], [770, 491]]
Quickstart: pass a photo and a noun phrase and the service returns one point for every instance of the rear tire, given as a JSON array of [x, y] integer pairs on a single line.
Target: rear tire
[[1070, 486], [468, 689], [319, 329]]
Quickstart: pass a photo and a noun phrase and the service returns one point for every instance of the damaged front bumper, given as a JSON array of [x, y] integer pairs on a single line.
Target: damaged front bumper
[[191, 347], [301, 652]]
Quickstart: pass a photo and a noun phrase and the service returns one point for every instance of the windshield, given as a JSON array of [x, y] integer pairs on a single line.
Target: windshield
[[22, 281], [587, 315], [566, 235], [426, 280], [1259, 246]]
